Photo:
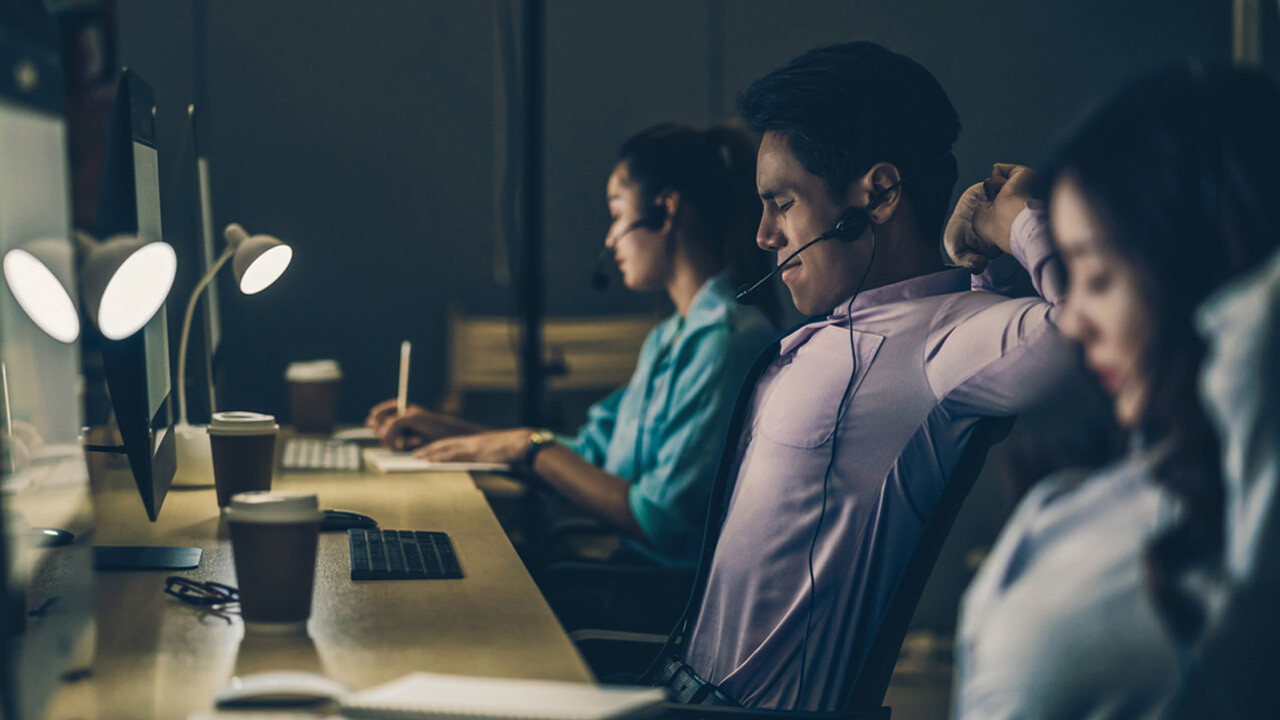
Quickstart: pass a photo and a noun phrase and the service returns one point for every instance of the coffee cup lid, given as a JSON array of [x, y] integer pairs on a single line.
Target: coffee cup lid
[[313, 371], [274, 506], [239, 422]]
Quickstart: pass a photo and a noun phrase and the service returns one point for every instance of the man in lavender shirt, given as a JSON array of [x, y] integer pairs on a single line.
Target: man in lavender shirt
[[901, 363]]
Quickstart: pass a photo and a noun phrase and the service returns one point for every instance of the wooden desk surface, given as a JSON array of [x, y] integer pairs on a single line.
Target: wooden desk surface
[[158, 658]]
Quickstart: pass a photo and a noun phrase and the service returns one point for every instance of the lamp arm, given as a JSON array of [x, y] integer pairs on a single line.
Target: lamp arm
[[186, 331]]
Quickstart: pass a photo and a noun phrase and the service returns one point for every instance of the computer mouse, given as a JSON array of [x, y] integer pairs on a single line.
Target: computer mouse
[[280, 688], [343, 520], [51, 537]]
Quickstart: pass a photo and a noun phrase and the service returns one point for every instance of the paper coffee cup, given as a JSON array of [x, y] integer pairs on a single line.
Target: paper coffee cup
[[244, 452], [313, 395], [273, 538]]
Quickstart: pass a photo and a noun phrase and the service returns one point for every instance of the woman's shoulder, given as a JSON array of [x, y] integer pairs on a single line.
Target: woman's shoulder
[[1125, 489]]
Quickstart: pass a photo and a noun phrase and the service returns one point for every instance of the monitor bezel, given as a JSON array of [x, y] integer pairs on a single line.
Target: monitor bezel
[[148, 437]]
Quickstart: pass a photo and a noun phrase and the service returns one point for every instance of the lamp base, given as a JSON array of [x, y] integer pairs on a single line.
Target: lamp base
[[194, 456]]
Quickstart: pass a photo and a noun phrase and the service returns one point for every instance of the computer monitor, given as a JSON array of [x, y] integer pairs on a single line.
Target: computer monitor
[[208, 254], [46, 594], [137, 367]]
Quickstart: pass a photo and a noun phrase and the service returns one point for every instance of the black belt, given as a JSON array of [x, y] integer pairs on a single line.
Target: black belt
[[687, 688]]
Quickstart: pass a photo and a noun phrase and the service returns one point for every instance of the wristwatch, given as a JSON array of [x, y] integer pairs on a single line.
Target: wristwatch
[[538, 439]]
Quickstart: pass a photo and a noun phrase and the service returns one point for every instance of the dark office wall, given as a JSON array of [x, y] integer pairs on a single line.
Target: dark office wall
[[361, 133]]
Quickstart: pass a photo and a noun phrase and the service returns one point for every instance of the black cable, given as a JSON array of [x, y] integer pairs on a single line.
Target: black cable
[[835, 437]]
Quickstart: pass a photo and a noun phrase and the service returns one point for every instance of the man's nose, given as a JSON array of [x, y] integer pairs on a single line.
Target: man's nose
[[768, 237]]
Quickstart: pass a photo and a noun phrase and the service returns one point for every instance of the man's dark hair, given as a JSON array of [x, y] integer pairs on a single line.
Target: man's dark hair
[[843, 108]]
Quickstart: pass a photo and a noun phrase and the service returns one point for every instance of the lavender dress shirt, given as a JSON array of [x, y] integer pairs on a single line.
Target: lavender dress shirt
[[932, 359]]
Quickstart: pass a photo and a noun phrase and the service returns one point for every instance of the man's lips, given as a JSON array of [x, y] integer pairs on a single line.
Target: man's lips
[[789, 268]]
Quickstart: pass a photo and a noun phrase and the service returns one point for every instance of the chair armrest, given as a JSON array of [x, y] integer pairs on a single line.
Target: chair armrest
[[578, 526], [617, 636], [636, 598], [617, 656], [676, 711], [573, 572]]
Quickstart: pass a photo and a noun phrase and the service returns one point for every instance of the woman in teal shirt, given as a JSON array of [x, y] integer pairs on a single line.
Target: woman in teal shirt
[[684, 212]]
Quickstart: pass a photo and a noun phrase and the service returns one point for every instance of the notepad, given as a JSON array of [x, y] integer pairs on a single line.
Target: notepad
[[456, 697], [390, 461]]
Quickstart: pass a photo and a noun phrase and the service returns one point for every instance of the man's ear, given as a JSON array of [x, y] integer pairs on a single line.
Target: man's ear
[[878, 190]]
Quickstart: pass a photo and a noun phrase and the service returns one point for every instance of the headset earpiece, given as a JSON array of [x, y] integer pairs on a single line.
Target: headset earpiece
[[851, 224], [655, 217], [854, 221]]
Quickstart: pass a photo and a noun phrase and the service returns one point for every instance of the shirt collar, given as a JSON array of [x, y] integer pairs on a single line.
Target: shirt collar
[[943, 282], [939, 283], [711, 303], [709, 306]]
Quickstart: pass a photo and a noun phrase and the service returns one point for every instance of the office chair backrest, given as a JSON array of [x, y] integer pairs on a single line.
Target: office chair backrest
[[867, 684]]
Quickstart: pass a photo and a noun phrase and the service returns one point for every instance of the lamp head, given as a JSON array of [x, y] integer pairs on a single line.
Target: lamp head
[[259, 260], [125, 280], [32, 274]]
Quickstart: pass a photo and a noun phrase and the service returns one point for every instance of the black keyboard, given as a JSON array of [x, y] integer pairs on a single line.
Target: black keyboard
[[401, 555]]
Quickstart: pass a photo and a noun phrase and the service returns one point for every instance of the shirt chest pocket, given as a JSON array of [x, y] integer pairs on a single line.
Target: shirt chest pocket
[[804, 400]]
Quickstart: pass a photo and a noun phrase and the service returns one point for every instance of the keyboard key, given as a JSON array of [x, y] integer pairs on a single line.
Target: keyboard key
[[377, 556], [412, 559], [430, 559], [395, 558], [358, 549]]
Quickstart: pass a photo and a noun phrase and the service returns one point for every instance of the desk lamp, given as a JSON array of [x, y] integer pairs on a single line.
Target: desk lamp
[[124, 281], [38, 290], [257, 261]]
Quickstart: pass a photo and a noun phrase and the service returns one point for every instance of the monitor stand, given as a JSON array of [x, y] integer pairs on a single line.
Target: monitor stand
[[123, 557], [46, 537]]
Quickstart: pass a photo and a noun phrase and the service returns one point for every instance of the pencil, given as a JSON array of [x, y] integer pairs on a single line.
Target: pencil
[[402, 395]]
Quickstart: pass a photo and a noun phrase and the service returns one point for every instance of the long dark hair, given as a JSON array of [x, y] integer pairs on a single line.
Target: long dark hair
[[714, 170], [1183, 167]]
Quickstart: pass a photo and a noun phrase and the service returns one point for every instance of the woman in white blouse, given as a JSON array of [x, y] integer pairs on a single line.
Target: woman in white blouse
[[1100, 583]]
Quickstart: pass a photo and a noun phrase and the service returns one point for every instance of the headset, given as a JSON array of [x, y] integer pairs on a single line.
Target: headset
[[654, 217], [849, 226]]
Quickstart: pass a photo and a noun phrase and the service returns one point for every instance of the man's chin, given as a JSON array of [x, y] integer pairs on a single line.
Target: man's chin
[[806, 306]]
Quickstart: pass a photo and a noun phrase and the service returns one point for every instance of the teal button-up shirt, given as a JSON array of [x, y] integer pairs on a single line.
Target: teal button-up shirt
[[663, 430]]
